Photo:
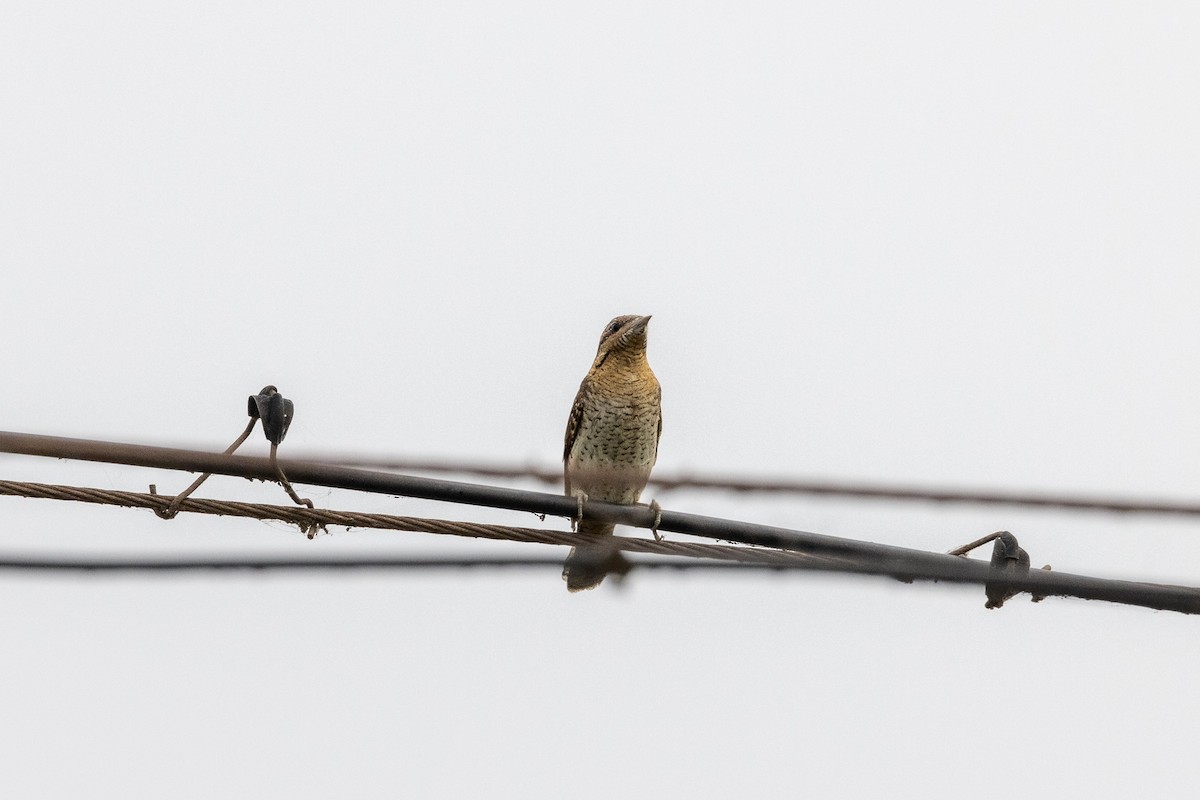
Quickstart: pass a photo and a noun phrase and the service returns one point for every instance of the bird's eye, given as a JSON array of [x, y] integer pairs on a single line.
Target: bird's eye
[[613, 327]]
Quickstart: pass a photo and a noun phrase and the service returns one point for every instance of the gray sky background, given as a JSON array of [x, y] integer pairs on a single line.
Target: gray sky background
[[927, 243]]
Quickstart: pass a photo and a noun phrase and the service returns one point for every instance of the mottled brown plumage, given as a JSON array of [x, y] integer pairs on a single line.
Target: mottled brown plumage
[[611, 442]]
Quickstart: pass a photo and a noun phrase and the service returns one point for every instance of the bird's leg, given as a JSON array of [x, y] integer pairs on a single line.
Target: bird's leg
[[657, 509], [580, 498]]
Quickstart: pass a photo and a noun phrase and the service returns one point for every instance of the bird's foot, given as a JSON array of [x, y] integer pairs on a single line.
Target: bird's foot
[[580, 499], [657, 509]]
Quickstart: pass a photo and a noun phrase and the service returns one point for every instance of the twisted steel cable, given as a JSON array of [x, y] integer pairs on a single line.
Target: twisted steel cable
[[840, 555]]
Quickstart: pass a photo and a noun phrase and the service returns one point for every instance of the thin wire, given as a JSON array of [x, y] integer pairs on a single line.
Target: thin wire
[[173, 509], [665, 481]]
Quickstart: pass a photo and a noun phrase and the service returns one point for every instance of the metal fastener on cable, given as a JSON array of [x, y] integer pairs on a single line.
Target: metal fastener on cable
[[276, 413], [1008, 558]]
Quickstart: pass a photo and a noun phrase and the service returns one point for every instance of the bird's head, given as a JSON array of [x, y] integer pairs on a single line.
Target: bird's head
[[626, 333]]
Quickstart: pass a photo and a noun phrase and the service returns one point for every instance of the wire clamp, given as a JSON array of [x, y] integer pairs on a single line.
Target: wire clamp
[[1009, 559], [276, 413]]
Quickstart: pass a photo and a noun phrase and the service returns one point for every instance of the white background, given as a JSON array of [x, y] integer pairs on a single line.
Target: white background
[[923, 243]]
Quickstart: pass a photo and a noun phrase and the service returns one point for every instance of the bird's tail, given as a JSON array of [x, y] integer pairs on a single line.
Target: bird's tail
[[587, 564]]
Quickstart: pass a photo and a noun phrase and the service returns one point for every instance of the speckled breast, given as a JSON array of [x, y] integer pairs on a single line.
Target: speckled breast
[[618, 438]]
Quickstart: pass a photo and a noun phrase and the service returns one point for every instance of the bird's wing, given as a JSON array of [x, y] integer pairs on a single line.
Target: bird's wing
[[658, 434], [573, 424]]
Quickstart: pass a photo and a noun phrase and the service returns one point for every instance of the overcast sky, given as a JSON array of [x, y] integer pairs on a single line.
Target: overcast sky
[[924, 243]]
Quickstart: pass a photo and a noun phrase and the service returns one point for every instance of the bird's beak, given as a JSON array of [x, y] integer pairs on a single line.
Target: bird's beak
[[643, 321]]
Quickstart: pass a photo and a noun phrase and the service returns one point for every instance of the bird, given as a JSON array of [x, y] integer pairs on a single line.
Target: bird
[[611, 444]]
